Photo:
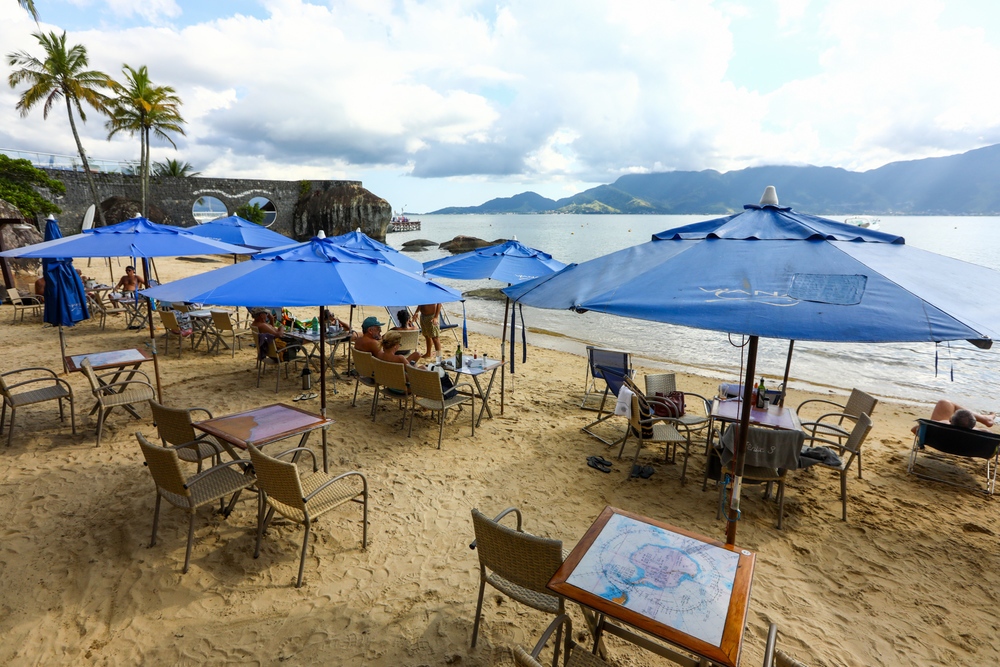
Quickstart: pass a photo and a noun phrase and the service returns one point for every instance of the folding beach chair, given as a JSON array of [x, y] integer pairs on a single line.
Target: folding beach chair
[[613, 379], [619, 360]]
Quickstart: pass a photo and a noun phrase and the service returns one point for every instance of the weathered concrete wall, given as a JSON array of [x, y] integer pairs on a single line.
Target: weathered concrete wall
[[176, 196]]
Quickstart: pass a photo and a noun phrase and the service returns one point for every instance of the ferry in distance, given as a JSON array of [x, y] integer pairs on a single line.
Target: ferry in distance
[[863, 221]]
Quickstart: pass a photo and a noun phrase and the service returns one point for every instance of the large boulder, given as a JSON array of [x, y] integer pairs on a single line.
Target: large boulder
[[119, 209], [16, 231], [467, 243], [339, 209]]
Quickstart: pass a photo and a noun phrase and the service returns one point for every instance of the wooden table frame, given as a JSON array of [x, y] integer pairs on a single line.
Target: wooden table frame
[[231, 430], [727, 653], [131, 367]]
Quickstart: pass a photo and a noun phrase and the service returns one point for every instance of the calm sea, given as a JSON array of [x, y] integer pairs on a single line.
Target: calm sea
[[905, 371]]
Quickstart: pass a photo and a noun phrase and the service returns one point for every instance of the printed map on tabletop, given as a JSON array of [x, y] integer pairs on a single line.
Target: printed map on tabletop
[[675, 580]]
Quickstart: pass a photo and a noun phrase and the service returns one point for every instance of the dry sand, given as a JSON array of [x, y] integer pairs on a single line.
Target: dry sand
[[910, 579]]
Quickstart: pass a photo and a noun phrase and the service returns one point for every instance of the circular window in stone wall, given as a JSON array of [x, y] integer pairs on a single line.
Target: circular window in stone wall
[[267, 207], [206, 209]]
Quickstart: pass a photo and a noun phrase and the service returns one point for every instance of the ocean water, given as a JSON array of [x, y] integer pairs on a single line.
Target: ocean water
[[909, 371]]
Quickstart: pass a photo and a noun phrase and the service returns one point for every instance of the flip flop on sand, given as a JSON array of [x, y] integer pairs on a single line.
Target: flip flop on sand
[[600, 459], [309, 397], [594, 463], [642, 471], [300, 397]]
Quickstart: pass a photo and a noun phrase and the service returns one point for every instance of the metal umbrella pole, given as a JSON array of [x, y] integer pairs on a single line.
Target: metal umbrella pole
[[740, 446], [152, 333]]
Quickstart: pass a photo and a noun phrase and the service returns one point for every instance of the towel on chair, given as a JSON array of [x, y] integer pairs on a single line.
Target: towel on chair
[[624, 405], [766, 448]]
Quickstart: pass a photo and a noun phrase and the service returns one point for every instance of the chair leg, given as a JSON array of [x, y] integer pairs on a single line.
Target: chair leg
[[72, 415], [302, 560], [258, 374], [156, 519], [441, 427], [781, 502], [843, 493], [479, 607], [10, 433], [187, 555], [354, 401], [261, 504], [628, 431], [102, 413], [859, 466], [364, 519]]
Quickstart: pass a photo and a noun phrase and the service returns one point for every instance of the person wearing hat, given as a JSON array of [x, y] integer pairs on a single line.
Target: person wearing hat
[[371, 337]]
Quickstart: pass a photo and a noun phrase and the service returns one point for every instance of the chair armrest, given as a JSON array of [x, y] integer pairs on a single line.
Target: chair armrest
[[242, 463], [126, 370], [497, 518], [299, 449], [32, 368], [334, 481], [205, 410], [105, 389], [842, 406], [837, 426], [707, 403], [49, 380]]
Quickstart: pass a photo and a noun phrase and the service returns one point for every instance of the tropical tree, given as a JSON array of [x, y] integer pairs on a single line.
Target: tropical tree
[[142, 108], [174, 168], [19, 185], [252, 212], [63, 74], [29, 6]]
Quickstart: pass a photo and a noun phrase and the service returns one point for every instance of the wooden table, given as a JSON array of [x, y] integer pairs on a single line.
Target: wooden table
[[774, 417], [689, 591], [490, 366], [121, 361], [262, 426]]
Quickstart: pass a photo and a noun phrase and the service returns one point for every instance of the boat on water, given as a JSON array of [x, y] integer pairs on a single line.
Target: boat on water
[[400, 223], [863, 221]]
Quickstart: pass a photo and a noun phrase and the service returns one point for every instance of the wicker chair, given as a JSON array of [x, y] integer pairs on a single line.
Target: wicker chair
[[98, 306], [283, 359], [191, 493], [174, 329], [303, 498], [24, 304], [852, 446], [45, 386], [516, 563], [391, 380], [364, 375], [223, 328], [696, 415], [408, 340], [426, 391], [175, 428], [649, 428], [115, 394], [832, 424]]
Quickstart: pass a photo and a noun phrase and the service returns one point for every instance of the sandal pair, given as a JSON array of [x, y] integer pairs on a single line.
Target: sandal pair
[[305, 397], [599, 463]]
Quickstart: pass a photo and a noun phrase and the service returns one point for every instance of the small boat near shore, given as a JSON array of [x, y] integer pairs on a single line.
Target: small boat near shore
[[863, 221], [400, 223]]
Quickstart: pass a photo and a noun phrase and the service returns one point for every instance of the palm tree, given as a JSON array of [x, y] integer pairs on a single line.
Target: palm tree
[[142, 108], [174, 168], [63, 74], [29, 6]]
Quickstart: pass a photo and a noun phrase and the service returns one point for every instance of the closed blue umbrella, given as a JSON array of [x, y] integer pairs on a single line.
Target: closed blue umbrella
[[236, 230], [772, 272], [65, 298]]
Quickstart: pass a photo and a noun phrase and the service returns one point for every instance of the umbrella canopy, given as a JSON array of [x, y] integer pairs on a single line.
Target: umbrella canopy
[[363, 244], [238, 231], [511, 262], [772, 272], [318, 272], [65, 298], [136, 237]]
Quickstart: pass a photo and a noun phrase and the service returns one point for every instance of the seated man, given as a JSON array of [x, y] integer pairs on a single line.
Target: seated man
[[952, 413], [130, 281], [390, 350], [371, 337]]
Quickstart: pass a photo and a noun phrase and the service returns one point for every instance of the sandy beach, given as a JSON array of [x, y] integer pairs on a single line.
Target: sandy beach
[[912, 577]]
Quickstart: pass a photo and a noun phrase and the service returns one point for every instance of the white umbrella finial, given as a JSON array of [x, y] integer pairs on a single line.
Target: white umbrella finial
[[321, 234], [770, 197]]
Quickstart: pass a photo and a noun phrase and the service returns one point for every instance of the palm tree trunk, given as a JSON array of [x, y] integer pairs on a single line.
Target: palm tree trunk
[[86, 165], [143, 169]]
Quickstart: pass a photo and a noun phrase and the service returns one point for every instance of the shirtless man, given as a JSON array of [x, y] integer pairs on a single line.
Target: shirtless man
[[371, 337], [130, 281], [430, 327], [952, 413]]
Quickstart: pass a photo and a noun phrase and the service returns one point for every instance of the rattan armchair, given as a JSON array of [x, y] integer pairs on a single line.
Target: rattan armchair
[[224, 328], [364, 374], [391, 380], [190, 493], [427, 392], [175, 428], [24, 304], [287, 357], [172, 328], [116, 394], [838, 424], [27, 390], [303, 498]]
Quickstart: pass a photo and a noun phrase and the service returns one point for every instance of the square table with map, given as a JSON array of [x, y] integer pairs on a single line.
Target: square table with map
[[688, 590]]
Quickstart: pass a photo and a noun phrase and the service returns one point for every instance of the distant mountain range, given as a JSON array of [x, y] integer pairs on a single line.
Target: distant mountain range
[[965, 184]]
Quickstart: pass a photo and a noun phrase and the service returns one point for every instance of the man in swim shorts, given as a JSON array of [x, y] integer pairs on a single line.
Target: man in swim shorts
[[430, 327]]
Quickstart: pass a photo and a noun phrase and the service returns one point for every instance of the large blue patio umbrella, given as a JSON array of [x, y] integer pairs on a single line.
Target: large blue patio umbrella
[[772, 272], [65, 298], [136, 237], [315, 273], [510, 262], [234, 229], [361, 243]]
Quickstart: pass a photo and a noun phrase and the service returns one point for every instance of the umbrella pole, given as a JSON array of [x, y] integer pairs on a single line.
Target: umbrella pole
[[152, 334], [62, 346], [788, 365], [350, 356], [322, 377], [503, 353], [740, 446]]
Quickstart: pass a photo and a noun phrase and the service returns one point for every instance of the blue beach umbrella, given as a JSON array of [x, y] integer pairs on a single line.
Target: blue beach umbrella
[[136, 237], [315, 273], [65, 298], [236, 230], [363, 244], [772, 272]]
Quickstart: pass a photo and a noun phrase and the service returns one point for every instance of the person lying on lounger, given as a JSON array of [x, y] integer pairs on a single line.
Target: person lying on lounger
[[949, 412]]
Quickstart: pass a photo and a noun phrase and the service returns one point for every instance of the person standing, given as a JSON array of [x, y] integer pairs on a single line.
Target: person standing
[[430, 327]]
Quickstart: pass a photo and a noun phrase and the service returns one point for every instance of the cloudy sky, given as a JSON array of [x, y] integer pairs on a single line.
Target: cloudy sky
[[454, 102]]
